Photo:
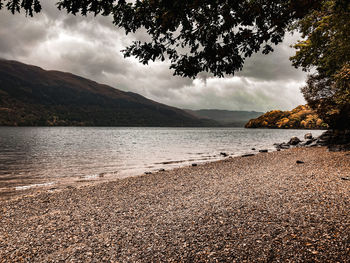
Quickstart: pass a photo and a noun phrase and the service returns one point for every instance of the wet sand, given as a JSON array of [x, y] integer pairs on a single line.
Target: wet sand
[[263, 208]]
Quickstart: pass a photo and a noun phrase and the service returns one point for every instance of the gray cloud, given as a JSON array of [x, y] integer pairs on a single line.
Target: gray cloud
[[276, 65], [19, 35], [90, 47]]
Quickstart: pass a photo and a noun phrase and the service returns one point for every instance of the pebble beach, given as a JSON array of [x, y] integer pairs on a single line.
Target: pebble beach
[[262, 208]]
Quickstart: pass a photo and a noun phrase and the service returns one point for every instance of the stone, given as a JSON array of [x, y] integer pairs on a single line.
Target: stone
[[336, 140], [263, 151], [162, 170], [253, 149], [194, 164], [325, 138], [294, 141], [224, 154], [314, 143], [309, 141], [302, 144], [282, 145], [148, 173], [308, 136], [345, 178], [339, 147], [247, 155], [334, 148], [299, 162]]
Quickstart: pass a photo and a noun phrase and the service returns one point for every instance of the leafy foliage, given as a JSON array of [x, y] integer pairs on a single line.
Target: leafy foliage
[[15, 6], [327, 49], [195, 36], [302, 117]]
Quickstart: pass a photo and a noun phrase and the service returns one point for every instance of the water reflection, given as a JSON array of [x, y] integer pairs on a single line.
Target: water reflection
[[34, 155]]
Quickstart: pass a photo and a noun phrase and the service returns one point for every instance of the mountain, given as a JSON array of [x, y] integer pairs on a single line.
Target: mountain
[[226, 117], [302, 117], [31, 96]]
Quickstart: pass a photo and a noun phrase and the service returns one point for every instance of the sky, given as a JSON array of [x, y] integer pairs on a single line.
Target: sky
[[91, 47]]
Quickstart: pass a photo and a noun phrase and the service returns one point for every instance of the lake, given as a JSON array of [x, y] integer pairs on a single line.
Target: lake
[[36, 156]]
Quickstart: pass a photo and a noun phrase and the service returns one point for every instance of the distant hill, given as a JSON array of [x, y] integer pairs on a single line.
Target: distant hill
[[31, 96], [226, 117], [302, 117]]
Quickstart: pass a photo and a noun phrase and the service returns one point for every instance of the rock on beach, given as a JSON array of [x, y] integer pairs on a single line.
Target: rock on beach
[[294, 141], [263, 151]]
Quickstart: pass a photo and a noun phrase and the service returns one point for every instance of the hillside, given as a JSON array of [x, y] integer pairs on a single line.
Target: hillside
[[31, 96], [302, 117], [226, 117]]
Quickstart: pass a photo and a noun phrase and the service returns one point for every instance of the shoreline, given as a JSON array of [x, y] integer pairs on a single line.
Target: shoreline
[[14, 192], [260, 208], [8, 193], [118, 153]]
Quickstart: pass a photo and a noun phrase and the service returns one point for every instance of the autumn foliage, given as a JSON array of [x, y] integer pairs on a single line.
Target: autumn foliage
[[302, 117]]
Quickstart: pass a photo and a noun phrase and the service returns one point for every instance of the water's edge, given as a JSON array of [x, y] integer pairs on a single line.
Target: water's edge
[[49, 157]]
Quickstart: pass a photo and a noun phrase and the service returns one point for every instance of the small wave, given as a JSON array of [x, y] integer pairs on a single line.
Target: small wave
[[25, 187], [173, 162], [93, 176]]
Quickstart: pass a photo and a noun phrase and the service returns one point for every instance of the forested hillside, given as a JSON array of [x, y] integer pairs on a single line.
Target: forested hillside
[[31, 96], [302, 117]]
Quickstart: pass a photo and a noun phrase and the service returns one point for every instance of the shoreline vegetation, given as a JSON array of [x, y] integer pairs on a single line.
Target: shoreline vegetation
[[290, 205], [302, 117]]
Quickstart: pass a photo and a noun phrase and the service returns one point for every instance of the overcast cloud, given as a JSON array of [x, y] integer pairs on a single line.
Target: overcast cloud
[[90, 47]]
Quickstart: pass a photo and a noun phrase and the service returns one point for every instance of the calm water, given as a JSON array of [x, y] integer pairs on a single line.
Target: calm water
[[37, 155]]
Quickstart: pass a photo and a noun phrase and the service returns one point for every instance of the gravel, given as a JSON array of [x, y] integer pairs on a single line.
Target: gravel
[[263, 208]]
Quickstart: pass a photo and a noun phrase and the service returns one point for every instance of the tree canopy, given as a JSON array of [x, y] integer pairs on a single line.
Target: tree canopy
[[194, 35], [216, 36], [326, 49]]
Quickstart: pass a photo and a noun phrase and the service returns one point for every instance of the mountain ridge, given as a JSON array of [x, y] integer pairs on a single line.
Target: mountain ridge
[[32, 96], [226, 118]]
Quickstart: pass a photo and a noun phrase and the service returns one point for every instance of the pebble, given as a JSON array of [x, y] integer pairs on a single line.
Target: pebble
[[260, 209]]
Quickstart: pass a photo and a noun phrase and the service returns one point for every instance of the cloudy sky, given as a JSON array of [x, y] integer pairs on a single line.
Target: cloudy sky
[[90, 47]]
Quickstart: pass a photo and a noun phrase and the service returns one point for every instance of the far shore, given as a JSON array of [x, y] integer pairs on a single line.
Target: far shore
[[262, 208]]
